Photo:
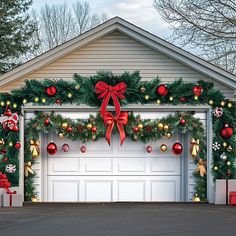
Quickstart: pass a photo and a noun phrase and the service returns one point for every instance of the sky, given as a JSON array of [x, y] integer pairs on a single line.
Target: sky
[[138, 12]]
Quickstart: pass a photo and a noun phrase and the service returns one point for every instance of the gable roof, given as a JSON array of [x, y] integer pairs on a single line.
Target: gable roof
[[132, 31]]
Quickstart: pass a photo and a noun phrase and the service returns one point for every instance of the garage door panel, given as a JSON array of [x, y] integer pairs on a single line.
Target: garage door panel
[[99, 147], [97, 165], [125, 165]]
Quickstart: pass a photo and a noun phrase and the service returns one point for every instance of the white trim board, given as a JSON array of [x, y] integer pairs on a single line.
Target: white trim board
[[132, 31]]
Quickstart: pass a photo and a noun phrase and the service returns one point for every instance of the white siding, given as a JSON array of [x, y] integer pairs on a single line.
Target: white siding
[[118, 53]]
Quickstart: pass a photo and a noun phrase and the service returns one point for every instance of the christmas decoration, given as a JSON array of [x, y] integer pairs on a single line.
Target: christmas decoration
[[229, 172], [69, 95], [135, 129], [229, 104], [216, 146], [194, 149], [77, 86], [177, 148], [61, 135], [146, 97], [28, 169], [51, 91], [140, 126], [10, 144], [196, 198], [93, 137], [35, 198], [201, 167], [229, 148], [218, 112], [160, 126], [34, 148], [10, 168], [17, 145], [89, 126], [65, 147], [182, 121], [106, 91], [51, 148], [166, 127], [223, 156], [197, 90], [168, 135], [120, 121], [211, 102], [4, 182], [8, 112], [149, 149], [83, 149], [182, 99], [2, 142], [58, 102], [171, 98], [10, 123], [142, 89], [94, 129], [158, 101], [69, 129], [64, 125], [162, 90], [226, 132], [163, 147], [228, 163], [46, 122]]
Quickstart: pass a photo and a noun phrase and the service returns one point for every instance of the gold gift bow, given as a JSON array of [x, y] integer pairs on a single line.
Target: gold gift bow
[[195, 147], [201, 167], [28, 168], [34, 148]]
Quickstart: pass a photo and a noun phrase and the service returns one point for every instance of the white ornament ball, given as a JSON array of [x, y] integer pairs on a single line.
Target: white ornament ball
[[10, 168], [218, 112]]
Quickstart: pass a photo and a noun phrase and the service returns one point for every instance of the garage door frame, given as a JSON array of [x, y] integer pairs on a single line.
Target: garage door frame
[[137, 108]]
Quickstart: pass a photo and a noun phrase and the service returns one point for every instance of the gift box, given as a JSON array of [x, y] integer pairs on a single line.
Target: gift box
[[2, 191], [12, 199], [222, 189]]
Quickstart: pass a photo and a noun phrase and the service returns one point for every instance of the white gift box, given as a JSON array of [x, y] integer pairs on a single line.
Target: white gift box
[[12, 200], [221, 191]]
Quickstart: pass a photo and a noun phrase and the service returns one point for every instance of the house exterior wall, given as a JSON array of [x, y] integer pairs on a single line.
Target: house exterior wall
[[118, 53]]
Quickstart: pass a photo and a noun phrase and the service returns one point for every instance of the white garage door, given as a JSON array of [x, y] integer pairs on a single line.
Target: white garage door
[[112, 173]]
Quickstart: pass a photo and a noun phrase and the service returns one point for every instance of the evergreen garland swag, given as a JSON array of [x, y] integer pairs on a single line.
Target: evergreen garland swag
[[82, 91]]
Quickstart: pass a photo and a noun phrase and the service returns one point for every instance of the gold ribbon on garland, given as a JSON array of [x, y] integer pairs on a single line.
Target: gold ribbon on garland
[[201, 167], [34, 148], [28, 168], [195, 147]]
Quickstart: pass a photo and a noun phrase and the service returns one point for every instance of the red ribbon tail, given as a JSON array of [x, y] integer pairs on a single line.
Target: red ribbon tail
[[116, 104], [108, 133], [122, 133], [104, 104]]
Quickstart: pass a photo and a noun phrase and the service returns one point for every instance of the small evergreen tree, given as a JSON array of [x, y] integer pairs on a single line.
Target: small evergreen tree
[[16, 29]]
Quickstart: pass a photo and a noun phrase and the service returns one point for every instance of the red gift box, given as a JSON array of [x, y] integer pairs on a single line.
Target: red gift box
[[232, 198]]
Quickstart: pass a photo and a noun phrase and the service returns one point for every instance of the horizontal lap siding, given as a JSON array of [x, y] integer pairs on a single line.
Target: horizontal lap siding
[[118, 53]]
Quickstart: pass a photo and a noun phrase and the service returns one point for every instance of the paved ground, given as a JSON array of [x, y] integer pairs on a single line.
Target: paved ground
[[118, 219]]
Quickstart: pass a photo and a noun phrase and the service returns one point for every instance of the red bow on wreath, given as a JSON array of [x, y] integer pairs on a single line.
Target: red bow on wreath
[[110, 121], [106, 91]]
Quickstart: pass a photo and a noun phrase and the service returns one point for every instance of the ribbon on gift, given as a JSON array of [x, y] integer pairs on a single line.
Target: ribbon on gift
[[34, 148], [111, 120], [10, 193], [195, 147], [106, 91], [28, 168]]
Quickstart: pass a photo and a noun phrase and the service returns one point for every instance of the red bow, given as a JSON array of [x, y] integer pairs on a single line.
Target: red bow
[[106, 91], [11, 193], [120, 120]]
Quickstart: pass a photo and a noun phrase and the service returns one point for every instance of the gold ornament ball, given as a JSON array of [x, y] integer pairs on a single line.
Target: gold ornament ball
[[140, 126], [211, 102], [169, 135], [171, 98], [1, 142], [14, 105], [43, 100], [225, 144], [36, 99], [228, 163], [163, 147], [165, 127], [89, 126], [229, 148], [8, 103], [146, 97], [69, 95], [222, 103], [61, 135], [64, 125], [77, 86], [2, 103], [196, 198], [160, 126], [135, 137], [158, 101], [229, 104], [215, 167], [94, 137], [196, 97], [24, 101], [10, 144], [142, 89]]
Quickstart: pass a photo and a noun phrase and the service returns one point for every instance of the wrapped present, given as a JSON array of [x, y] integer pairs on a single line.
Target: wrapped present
[[2, 191], [11, 199]]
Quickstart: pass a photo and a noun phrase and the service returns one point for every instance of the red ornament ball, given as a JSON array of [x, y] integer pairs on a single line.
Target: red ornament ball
[[47, 122], [80, 128], [226, 132], [94, 129], [52, 148], [65, 147], [69, 129], [182, 99], [83, 149], [162, 90], [149, 149], [5, 159], [18, 145], [135, 129], [182, 121], [3, 151], [58, 101], [51, 91], [197, 90], [8, 112], [228, 173], [177, 148]]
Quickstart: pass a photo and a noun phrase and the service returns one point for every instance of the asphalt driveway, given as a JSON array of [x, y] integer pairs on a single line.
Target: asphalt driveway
[[133, 219]]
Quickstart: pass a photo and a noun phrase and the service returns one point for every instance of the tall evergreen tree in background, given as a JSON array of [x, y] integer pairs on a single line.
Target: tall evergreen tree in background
[[16, 29]]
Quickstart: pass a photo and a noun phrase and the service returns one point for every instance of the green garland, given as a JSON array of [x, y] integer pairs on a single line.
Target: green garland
[[82, 91]]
